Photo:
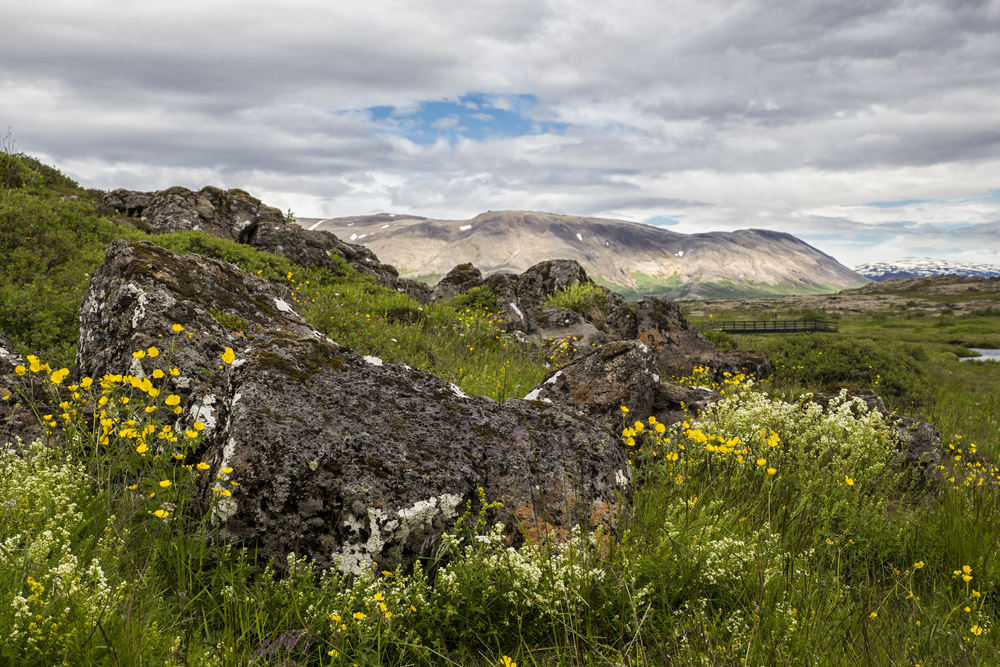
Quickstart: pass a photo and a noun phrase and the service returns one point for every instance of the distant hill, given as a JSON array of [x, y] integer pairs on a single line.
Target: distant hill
[[920, 267], [628, 257]]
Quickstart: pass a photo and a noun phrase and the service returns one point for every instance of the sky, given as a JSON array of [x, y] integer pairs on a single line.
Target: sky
[[868, 128]]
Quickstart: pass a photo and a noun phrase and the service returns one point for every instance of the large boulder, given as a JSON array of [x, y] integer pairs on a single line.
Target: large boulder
[[621, 373], [128, 202], [237, 216], [512, 315], [677, 345], [542, 280], [342, 458], [458, 281], [141, 291], [318, 249], [215, 211], [563, 334]]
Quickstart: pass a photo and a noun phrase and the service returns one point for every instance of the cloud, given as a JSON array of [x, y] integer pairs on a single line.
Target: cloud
[[870, 127]]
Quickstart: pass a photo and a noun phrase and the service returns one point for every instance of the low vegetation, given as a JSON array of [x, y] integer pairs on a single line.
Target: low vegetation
[[768, 532]]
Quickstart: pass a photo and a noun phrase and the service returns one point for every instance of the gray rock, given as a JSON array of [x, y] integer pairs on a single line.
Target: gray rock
[[9, 357], [564, 334], [217, 212], [621, 373], [128, 202], [544, 279], [351, 460], [24, 398], [458, 281], [677, 402], [512, 315], [139, 293], [342, 458], [677, 345]]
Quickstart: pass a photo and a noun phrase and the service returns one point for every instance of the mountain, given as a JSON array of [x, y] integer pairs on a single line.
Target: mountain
[[628, 257], [918, 267]]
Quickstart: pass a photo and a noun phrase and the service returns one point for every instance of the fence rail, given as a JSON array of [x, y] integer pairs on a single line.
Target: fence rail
[[774, 326]]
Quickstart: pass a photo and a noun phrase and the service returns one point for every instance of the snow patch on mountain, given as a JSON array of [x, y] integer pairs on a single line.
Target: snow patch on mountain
[[919, 267]]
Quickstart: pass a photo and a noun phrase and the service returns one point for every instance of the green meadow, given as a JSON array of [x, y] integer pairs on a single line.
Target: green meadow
[[765, 532]]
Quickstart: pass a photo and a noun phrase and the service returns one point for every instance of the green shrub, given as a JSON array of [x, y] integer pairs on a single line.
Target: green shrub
[[480, 299], [581, 297], [894, 369]]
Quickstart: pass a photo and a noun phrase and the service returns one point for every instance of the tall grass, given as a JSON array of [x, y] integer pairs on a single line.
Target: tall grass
[[767, 532]]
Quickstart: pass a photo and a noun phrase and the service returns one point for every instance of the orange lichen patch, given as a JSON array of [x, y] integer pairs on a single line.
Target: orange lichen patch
[[535, 530], [650, 337]]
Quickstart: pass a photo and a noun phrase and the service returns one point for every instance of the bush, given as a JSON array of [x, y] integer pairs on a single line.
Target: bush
[[479, 299], [895, 370], [581, 297]]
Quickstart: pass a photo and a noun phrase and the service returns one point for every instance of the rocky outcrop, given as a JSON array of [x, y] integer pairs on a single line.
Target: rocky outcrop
[[312, 249], [563, 334], [237, 216], [621, 373], [343, 458], [141, 291], [512, 315], [128, 202], [458, 281], [677, 345]]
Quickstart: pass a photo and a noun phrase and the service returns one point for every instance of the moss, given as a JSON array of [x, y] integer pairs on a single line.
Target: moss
[[318, 357]]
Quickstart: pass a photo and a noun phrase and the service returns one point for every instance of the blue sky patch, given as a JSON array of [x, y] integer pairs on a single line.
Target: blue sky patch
[[474, 116], [661, 221]]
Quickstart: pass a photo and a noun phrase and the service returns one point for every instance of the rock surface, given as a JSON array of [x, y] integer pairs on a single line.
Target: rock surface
[[621, 373], [237, 216], [343, 458]]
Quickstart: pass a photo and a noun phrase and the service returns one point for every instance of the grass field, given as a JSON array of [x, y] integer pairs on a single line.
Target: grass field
[[767, 533]]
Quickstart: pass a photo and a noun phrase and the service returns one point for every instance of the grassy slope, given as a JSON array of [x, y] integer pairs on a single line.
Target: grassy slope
[[827, 560]]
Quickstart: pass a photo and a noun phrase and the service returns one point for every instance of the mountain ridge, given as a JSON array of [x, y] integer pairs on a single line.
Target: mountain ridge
[[920, 267], [629, 257]]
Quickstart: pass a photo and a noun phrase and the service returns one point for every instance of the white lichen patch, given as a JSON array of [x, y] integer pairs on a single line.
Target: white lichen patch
[[533, 394], [282, 306], [374, 361], [205, 412], [135, 369], [517, 310], [139, 314], [355, 558], [457, 391]]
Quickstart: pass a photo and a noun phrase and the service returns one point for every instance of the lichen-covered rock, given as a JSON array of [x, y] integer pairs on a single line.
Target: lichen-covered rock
[[621, 373], [458, 281], [676, 402], [127, 202], [564, 334], [321, 249], [352, 460], [677, 345], [141, 291], [339, 457], [542, 280], [512, 315], [740, 362], [9, 357], [215, 211]]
